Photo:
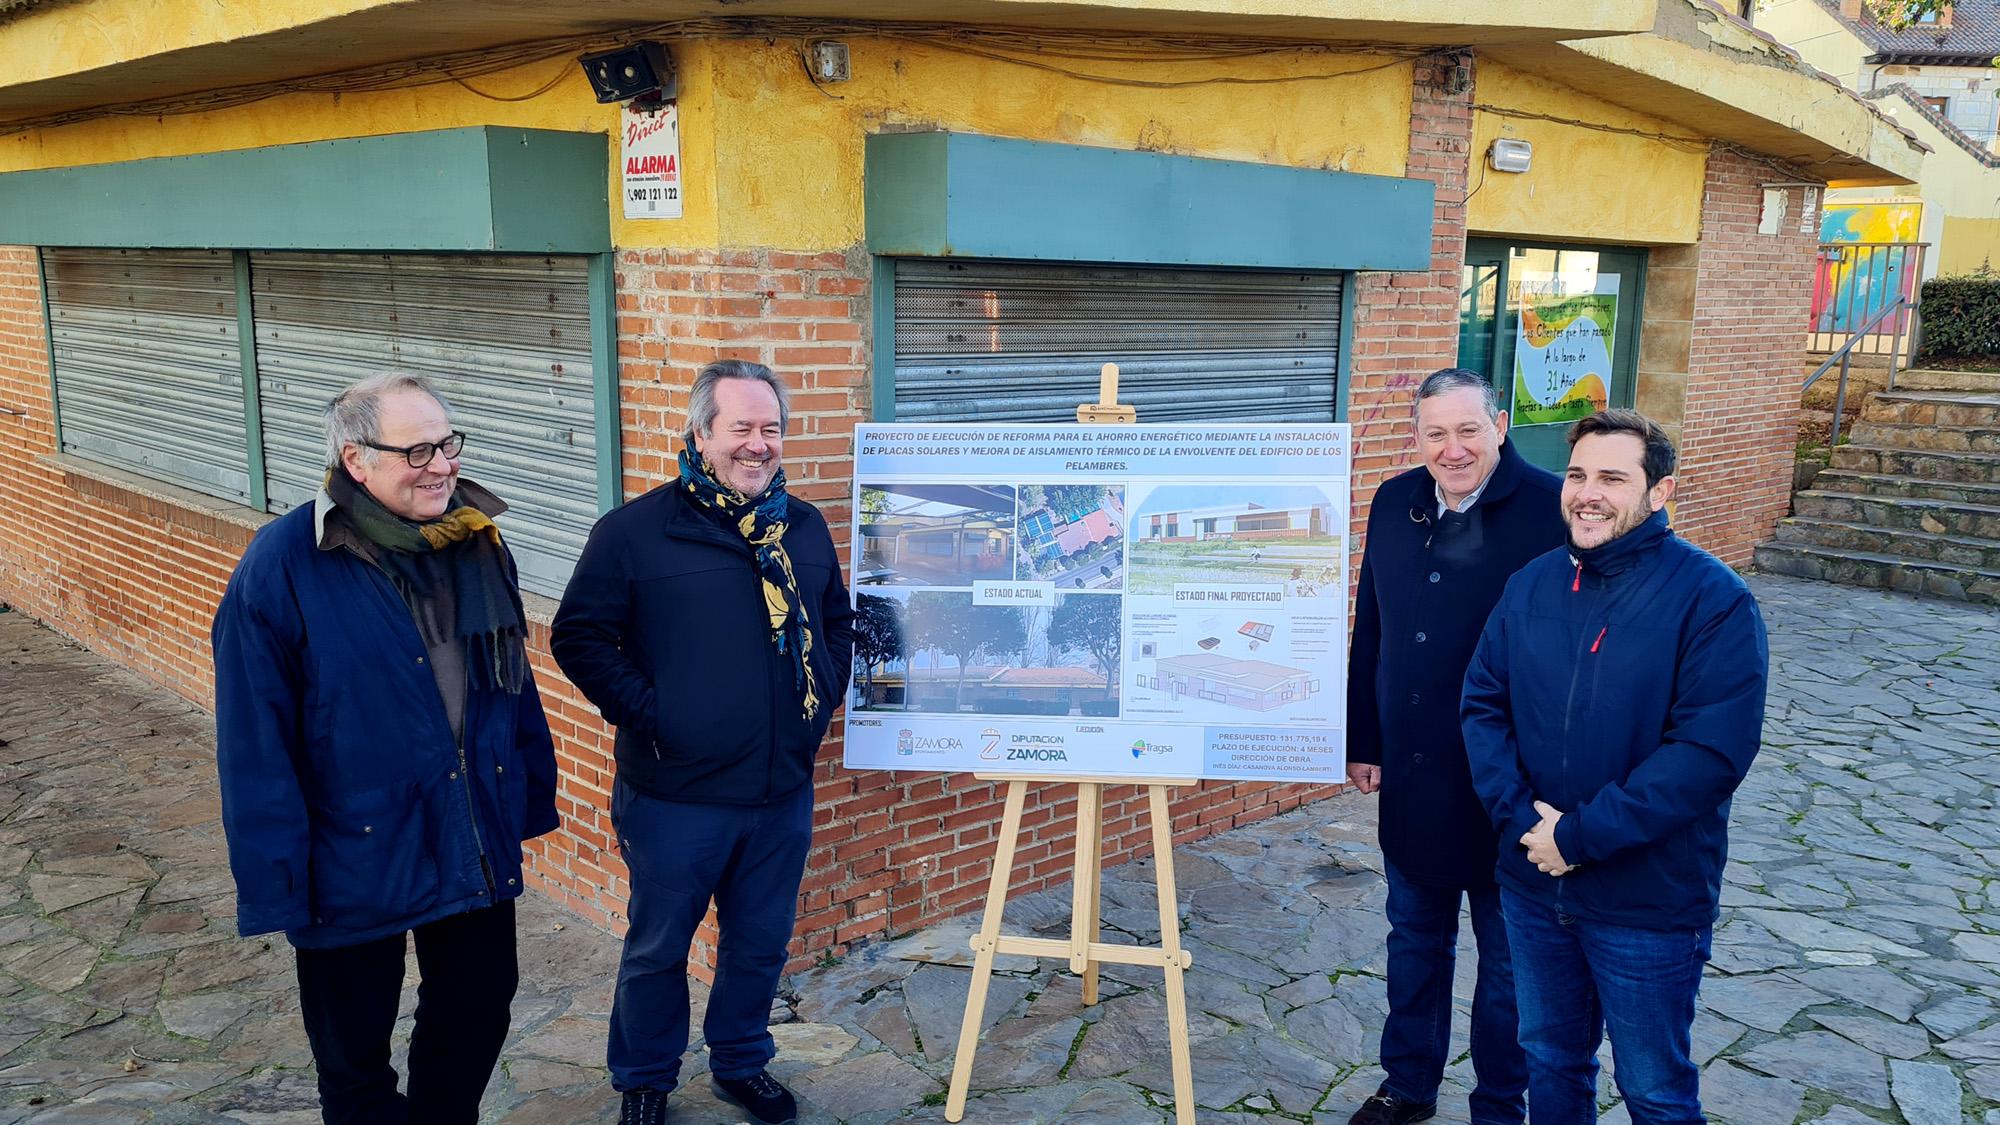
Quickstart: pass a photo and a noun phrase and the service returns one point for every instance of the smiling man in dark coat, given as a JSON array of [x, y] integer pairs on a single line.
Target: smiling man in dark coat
[[1612, 707], [1442, 541], [708, 620]]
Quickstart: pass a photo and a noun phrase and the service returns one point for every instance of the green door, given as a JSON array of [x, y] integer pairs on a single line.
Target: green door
[[1556, 327]]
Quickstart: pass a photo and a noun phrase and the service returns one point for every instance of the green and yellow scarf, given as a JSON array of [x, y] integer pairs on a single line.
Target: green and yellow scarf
[[485, 615], [761, 521]]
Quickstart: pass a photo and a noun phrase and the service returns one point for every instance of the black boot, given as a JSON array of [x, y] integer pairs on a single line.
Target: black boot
[[760, 1096], [643, 1107], [1385, 1108]]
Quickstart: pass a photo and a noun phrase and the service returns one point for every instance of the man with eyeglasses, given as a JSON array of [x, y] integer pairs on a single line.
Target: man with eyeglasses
[[383, 754]]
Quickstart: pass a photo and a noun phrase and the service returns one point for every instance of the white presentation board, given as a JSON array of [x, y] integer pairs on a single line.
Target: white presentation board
[[1147, 601]]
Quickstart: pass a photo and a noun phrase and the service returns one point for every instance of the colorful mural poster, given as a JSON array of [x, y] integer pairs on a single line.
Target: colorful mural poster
[[1893, 221], [1160, 602], [1562, 353]]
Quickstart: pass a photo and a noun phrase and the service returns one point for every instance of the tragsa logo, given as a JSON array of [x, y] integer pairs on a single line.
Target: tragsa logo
[[1141, 748], [989, 744]]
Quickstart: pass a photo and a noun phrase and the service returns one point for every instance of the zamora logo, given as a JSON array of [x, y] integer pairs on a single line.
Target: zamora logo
[[1035, 754]]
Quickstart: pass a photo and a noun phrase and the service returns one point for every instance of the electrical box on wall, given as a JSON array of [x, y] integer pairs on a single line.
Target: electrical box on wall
[[1772, 218]]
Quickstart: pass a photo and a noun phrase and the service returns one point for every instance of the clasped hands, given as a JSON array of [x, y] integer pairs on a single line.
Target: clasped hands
[[1541, 842]]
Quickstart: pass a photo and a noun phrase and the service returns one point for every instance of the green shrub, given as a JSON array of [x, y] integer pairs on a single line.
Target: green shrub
[[1961, 315]]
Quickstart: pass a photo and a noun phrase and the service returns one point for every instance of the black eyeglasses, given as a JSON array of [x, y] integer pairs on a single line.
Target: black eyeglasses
[[420, 454]]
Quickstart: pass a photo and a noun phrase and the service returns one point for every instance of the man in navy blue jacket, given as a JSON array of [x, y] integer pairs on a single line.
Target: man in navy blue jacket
[[1614, 704], [708, 621], [383, 753], [1443, 539]]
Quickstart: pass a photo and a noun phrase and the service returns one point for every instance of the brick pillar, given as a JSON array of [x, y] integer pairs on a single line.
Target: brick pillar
[[1406, 324], [1752, 301]]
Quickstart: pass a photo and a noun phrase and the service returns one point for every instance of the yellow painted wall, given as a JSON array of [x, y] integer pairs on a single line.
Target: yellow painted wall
[[1961, 196], [792, 155], [1585, 184], [771, 161], [1969, 245], [1818, 36]]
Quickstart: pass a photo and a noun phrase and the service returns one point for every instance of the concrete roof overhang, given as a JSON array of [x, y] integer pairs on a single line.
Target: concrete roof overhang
[[66, 57], [1723, 81]]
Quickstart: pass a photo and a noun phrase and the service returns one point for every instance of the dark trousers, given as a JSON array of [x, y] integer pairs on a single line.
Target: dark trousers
[[348, 998], [749, 859], [1416, 1038], [1579, 978]]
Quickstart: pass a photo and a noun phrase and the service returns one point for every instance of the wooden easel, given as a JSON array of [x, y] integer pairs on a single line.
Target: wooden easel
[[1084, 951]]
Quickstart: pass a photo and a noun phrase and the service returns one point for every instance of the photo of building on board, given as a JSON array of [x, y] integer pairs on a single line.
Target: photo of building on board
[[1285, 535], [935, 534], [936, 651], [1073, 535]]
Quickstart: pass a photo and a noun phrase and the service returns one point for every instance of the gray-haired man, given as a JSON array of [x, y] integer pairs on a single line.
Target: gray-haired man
[[383, 753], [708, 622]]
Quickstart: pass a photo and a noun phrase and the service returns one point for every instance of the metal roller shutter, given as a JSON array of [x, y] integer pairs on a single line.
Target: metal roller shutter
[[506, 339], [1021, 342], [146, 365]]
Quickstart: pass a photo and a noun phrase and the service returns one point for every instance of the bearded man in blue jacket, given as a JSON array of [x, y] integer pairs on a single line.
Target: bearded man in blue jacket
[[708, 621], [383, 753], [1614, 704], [1443, 539]]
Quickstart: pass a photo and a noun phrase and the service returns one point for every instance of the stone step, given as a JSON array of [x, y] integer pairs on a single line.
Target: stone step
[[1934, 408], [1938, 517], [1889, 484], [1932, 379], [1942, 439], [1973, 554], [1973, 468], [1881, 572]]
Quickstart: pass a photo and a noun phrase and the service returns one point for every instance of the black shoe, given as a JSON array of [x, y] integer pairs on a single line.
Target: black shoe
[[643, 1107], [759, 1095], [1386, 1108]]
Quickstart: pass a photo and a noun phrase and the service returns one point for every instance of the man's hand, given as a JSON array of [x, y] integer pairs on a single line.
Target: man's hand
[[1364, 777], [1541, 842]]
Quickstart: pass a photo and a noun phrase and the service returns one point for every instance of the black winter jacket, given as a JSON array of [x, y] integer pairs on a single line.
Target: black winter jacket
[[664, 629], [1427, 584]]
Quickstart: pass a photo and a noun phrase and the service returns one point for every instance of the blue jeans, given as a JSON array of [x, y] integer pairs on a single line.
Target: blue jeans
[[749, 859], [1579, 978], [1416, 1038]]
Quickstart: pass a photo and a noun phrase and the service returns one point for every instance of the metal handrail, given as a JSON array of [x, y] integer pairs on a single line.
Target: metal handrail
[[1845, 353]]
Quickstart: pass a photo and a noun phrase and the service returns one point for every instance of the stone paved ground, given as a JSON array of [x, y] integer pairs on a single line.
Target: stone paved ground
[[1856, 975]]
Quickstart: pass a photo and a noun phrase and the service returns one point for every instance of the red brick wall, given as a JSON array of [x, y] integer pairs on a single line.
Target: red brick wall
[[1753, 297], [891, 852], [1406, 324]]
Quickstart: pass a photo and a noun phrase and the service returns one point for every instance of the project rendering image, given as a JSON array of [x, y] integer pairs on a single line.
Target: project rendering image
[[1252, 685], [1289, 535], [935, 534]]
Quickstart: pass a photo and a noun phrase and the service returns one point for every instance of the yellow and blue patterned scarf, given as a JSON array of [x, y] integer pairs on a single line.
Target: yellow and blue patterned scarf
[[761, 521]]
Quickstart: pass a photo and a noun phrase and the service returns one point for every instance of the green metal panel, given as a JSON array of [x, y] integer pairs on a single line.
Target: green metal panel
[[483, 188], [960, 195], [604, 365], [253, 408]]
